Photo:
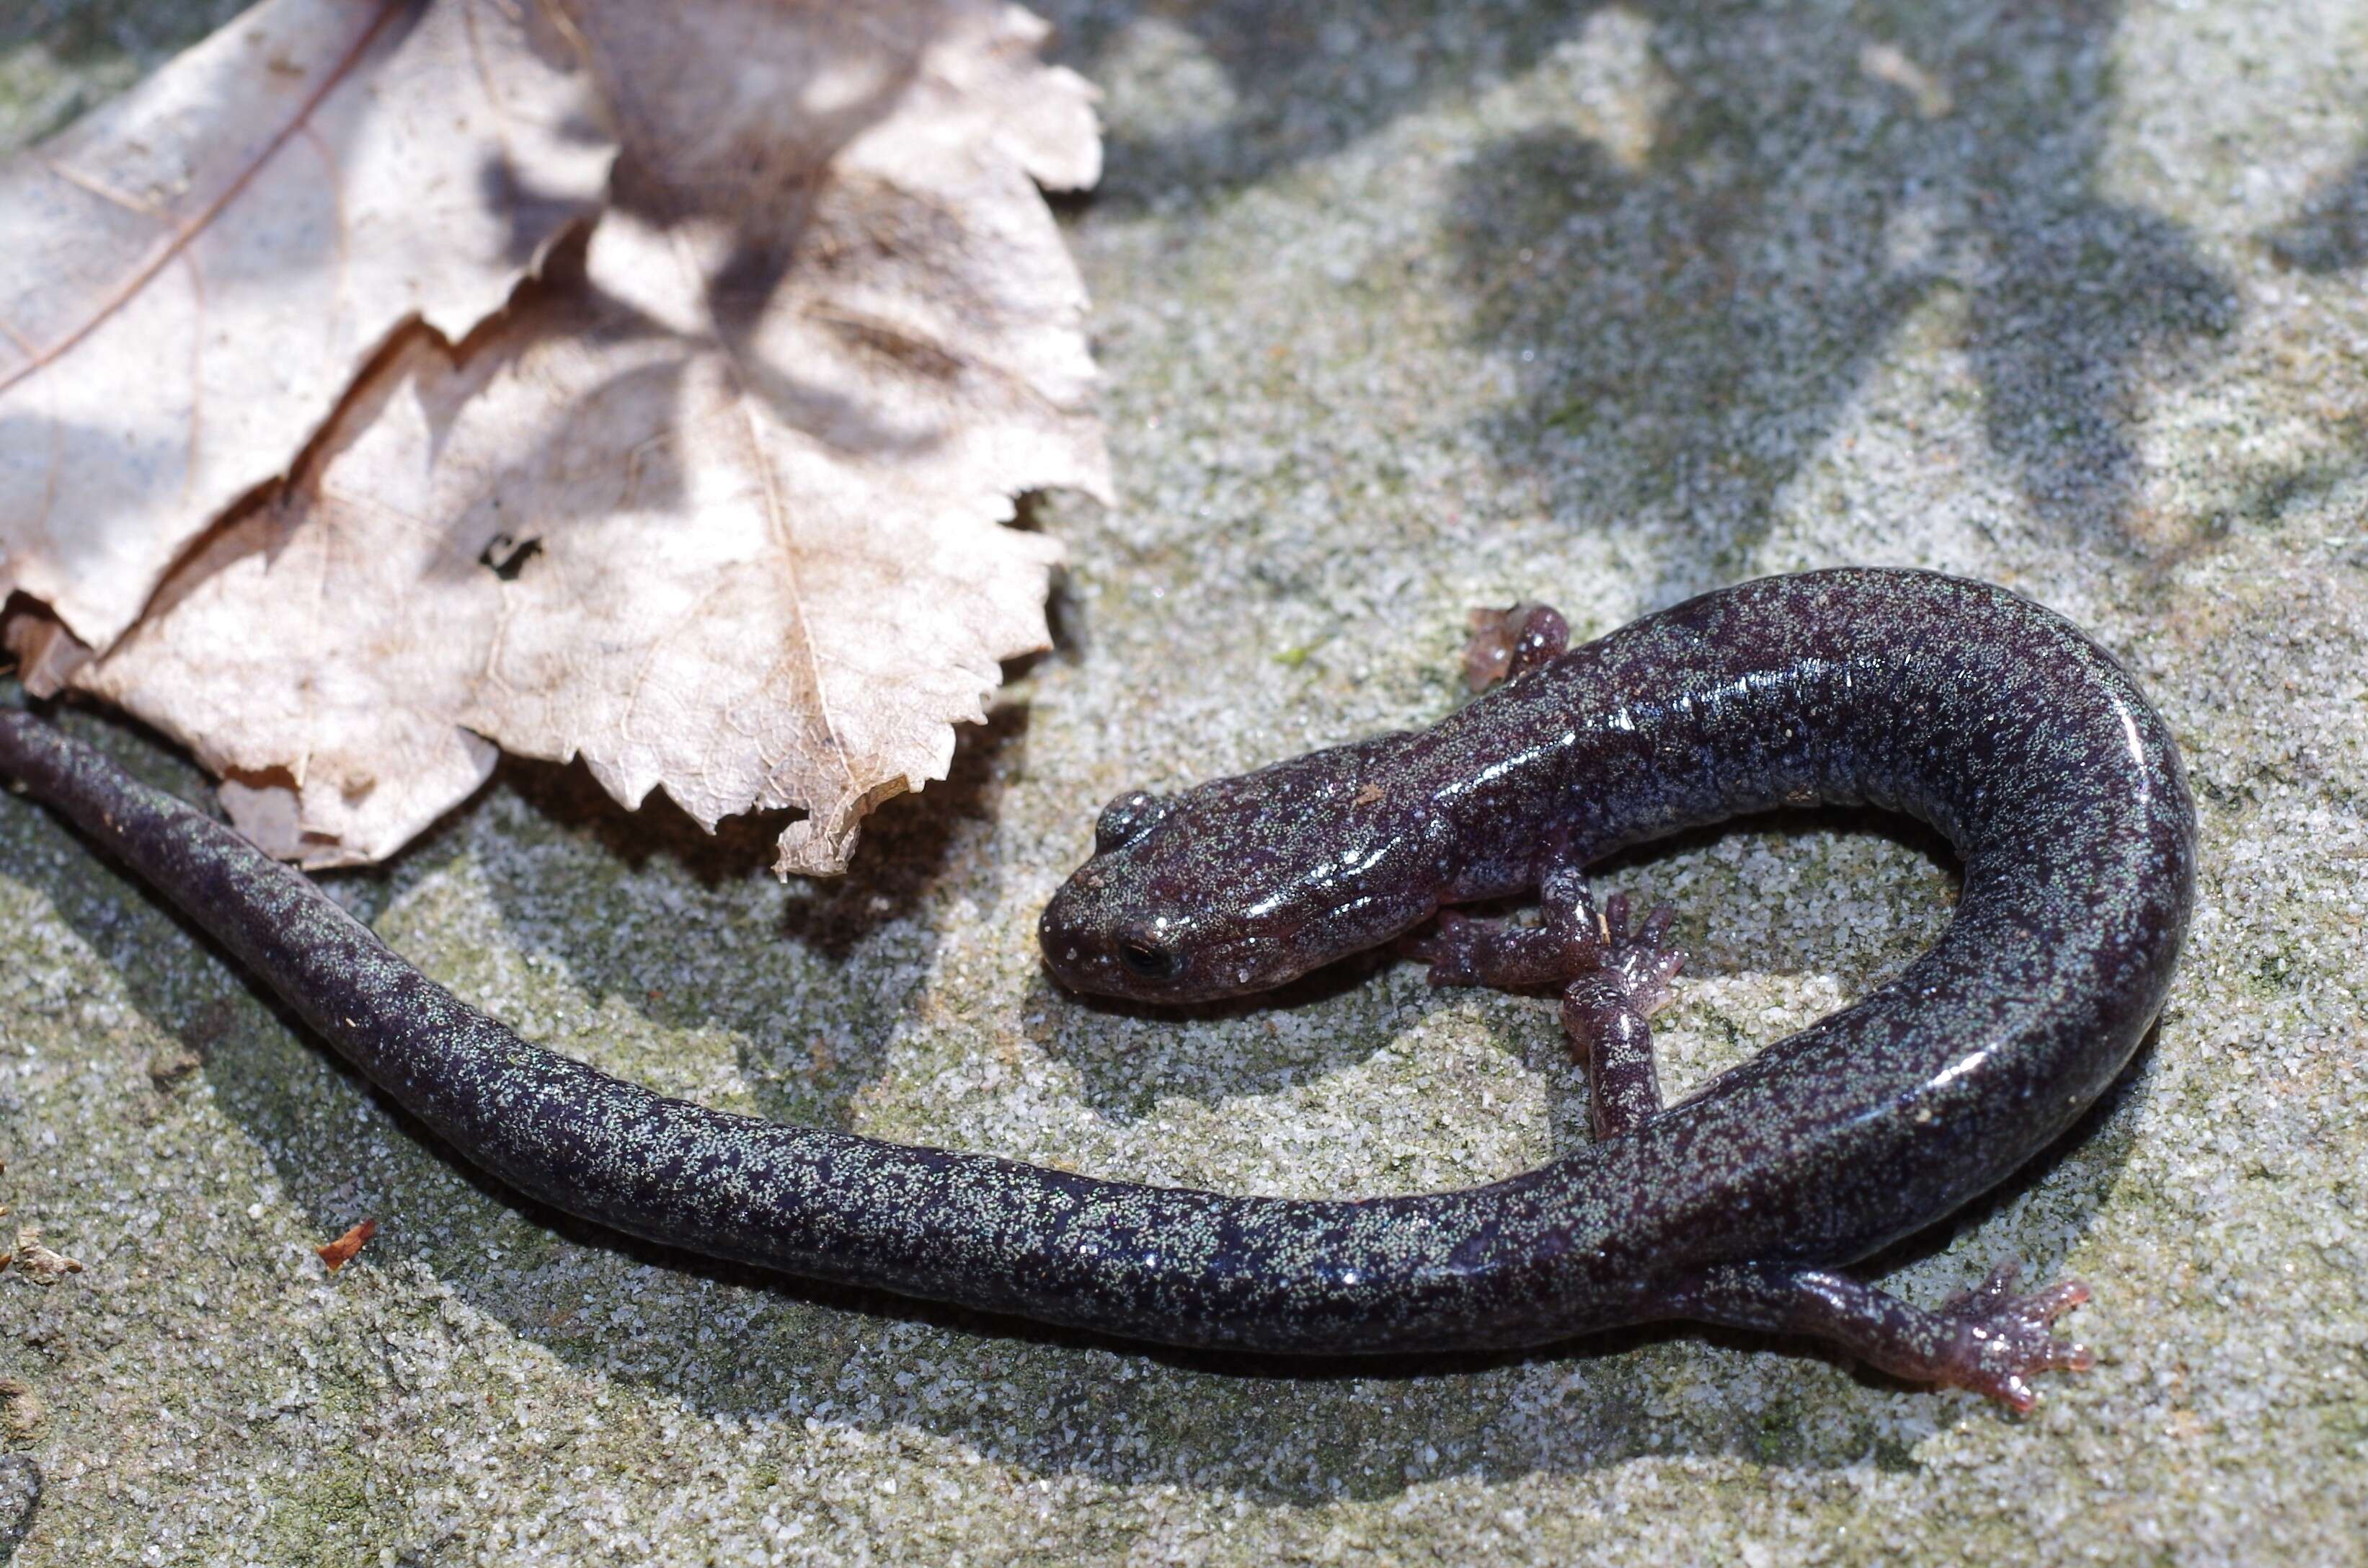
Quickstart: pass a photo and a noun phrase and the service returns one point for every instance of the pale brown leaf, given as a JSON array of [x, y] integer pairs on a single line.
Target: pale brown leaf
[[193, 274], [315, 652], [744, 473], [39, 1262]]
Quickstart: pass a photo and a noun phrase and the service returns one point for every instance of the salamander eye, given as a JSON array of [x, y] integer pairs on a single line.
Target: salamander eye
[[1151, 962], [1127, 819]]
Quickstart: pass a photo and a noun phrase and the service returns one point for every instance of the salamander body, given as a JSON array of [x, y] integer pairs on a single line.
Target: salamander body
[[1992, 719]]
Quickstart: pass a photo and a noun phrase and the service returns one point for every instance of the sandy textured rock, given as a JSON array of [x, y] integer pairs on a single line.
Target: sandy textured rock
[[1402, 312]]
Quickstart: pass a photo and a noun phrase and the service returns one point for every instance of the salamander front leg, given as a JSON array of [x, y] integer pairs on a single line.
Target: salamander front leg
[[1507, 643], [1611, 983], [1496, 953], [1987, 1339], [1605, 1013], [1568, 943]]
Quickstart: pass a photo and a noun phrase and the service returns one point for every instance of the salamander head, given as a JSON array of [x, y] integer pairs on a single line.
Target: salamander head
[[1244, 883]]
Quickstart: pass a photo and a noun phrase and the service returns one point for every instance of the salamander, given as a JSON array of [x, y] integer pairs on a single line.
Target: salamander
[[1964, 705]]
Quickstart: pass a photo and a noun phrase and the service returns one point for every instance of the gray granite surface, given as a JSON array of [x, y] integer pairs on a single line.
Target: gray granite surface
[[1405, 307]]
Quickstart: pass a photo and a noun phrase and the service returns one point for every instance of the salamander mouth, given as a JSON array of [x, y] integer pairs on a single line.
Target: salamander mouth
[[1141, 965], [1240, 966]]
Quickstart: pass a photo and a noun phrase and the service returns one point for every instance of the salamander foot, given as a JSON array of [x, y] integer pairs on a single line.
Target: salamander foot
[[1987, 1339], [2004, 1340], [1507, 643], [1613, 979], [1605, 1009], [1645, 970]]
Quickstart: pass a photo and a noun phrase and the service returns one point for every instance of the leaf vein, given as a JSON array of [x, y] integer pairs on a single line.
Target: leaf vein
[[178, 240]]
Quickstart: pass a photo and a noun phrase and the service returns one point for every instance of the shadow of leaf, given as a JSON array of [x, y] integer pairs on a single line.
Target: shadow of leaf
[[20, 1502], [1304, 78], [2081, 296], [1686, 328], [2331, 234]]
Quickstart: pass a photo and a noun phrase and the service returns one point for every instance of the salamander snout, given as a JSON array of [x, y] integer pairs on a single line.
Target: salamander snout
[[1094, 933], [1092, 943]]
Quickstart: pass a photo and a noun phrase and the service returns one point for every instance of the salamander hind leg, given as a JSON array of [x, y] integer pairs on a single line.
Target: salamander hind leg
[[1988, 1339]]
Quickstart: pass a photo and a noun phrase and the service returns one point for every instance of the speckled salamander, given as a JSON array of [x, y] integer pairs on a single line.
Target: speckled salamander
[[1961, 704]]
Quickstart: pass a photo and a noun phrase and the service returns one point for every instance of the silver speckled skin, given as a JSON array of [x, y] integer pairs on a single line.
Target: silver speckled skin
[[1961, 704]]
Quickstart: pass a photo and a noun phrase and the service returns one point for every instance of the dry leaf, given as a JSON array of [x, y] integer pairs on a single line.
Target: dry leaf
[[719, 514], [169, 1066], [317, 648], [21, 1410], [196, 271], [339, 1253], [47, 655], [44, 1265]]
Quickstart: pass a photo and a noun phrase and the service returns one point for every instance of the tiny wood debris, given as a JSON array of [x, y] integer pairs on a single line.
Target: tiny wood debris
[[335, 1254], [45, 1267], [21, 1410], [170, 1066]]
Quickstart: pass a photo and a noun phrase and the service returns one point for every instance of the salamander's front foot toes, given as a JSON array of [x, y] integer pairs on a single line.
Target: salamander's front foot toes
[[1645, 968], [2003, 1340]]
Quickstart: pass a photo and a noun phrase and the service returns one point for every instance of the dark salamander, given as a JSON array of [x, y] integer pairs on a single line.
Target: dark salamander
[[1993, 720]]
